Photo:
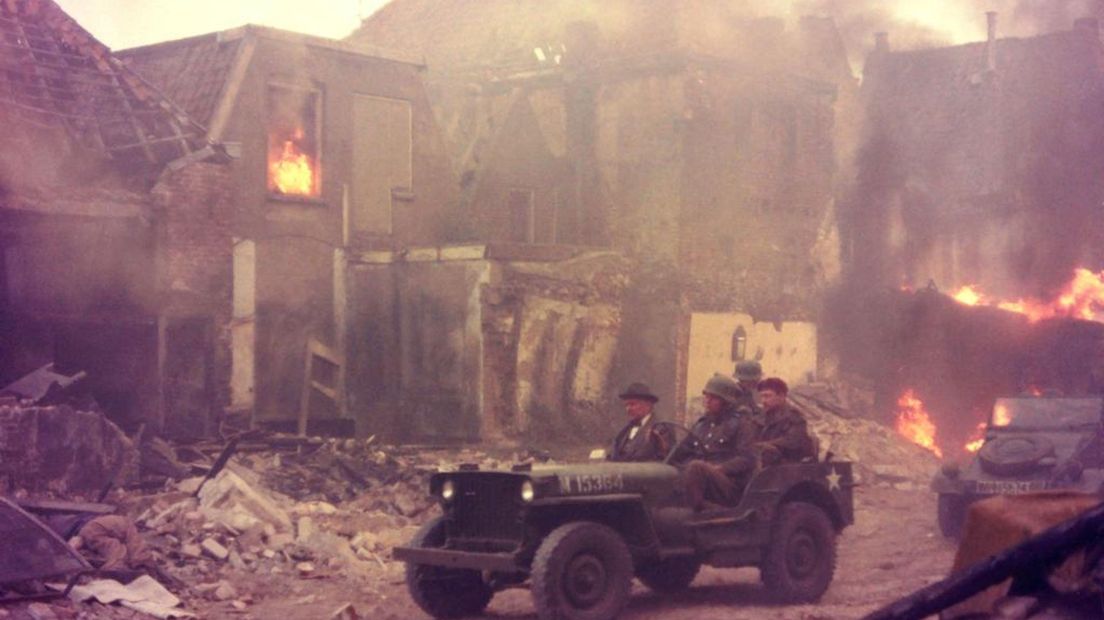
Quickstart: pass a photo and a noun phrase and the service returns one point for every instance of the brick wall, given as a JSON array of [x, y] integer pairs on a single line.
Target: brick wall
[[195, 209]]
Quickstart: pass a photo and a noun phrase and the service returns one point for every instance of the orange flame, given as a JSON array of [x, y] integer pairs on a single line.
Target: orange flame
[[1081, 298], [1001, 416], [291, 172], [914, 422], [976, 439], [967, 296]]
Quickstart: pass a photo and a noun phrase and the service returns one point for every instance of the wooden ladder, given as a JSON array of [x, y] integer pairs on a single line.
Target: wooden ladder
[[334, 392]]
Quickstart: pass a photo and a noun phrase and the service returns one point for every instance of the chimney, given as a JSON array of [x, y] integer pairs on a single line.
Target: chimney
[[881, 41], [991, 41]]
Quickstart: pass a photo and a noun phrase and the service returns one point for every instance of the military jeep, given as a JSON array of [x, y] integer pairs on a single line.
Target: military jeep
[[576, 534], [1031, 443]]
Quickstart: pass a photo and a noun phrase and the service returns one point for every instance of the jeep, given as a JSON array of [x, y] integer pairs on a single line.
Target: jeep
[[576, 534], [1031, 443]]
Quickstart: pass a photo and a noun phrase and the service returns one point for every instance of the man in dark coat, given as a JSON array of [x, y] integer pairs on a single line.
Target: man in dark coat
[[784, 436], [723, 458], [640, 439]]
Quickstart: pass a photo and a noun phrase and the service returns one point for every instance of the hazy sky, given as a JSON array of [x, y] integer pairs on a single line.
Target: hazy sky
[[127, 23]]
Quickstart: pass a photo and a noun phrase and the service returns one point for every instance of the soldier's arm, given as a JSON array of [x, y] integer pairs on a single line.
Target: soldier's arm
[[742, 439], [794, 438]]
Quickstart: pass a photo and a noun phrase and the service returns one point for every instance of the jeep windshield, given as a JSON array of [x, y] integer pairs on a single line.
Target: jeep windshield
[[1046, 413]]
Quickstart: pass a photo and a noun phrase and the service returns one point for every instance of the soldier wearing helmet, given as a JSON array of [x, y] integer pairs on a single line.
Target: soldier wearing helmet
[[749, 373], [722, 453]]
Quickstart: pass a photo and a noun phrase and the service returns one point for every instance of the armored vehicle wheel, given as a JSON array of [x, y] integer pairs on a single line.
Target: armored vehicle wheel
[[444, 592], [582, 571], [952, 514], [801, 557], [670, 575]]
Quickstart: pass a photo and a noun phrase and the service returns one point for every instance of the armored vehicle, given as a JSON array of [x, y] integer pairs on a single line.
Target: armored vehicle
[[1031, 443], [576, 534]]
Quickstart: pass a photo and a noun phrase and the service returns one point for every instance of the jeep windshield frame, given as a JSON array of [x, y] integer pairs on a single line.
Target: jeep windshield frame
[[1046, 414]]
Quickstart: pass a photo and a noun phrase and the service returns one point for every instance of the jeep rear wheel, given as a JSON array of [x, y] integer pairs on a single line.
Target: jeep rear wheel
[[444, 592], [670, 575], [952, 514], [582, 571], [801, 558]]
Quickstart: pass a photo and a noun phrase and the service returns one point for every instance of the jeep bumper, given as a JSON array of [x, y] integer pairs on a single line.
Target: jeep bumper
[[451, 558]]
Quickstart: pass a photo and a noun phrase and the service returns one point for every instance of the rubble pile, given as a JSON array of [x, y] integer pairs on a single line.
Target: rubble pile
[[880, 455], [61, 450]]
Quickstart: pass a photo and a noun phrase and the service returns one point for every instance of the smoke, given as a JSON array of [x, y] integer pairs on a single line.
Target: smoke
[[932, 23]]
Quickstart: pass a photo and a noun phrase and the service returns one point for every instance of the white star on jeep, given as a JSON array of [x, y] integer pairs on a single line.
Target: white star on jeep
[[833, 480]]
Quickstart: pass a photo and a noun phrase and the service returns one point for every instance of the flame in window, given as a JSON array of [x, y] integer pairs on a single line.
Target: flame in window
[[291, 171]]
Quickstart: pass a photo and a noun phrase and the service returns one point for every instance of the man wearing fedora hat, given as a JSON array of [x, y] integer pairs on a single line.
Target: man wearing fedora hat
[[640, 439]]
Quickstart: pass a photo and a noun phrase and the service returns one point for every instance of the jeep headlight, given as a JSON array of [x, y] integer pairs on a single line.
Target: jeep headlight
[[527, 491], [448, 490]]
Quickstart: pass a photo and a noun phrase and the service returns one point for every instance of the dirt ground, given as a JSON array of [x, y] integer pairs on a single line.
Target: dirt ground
[[894, 548]]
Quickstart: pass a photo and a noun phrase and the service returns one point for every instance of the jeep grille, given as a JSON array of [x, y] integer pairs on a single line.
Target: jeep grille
[[487, 508]]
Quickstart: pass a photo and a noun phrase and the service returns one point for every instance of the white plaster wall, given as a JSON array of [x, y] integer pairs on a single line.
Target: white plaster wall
[[242, 328], [787, 349]]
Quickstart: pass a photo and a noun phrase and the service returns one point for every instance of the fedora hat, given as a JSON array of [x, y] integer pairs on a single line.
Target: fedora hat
[[639, 391]]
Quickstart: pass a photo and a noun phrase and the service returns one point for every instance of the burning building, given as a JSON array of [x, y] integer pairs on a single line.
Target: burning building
[[697, 139], [111, 257], [980, 164], [336, 153], [977, 175]]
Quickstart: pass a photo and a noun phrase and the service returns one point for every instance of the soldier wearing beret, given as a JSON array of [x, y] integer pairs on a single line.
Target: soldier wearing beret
[[784, 437]]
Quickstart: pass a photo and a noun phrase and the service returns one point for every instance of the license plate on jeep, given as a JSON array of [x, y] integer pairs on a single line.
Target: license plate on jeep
[[1008, 487]]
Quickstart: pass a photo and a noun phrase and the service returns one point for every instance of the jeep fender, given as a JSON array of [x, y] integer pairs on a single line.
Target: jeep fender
[[817, 495]]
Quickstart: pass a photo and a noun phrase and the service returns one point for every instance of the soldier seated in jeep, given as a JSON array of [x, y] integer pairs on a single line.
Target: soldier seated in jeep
[[719, 447], [784, 436]]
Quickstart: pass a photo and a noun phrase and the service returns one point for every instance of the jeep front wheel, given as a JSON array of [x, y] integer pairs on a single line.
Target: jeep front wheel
[[670, 575], [582, 571], [801, 558], [444, 592]]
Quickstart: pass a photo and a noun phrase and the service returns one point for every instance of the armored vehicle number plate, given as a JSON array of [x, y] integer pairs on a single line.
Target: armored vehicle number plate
[[591, 484], [1009, 487]]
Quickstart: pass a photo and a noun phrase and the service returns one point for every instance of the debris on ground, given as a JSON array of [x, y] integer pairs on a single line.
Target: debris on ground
[[233, 525]]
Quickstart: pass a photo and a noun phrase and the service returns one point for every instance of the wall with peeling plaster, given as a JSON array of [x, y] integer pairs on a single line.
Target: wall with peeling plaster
[[464, 345], [785, 349]]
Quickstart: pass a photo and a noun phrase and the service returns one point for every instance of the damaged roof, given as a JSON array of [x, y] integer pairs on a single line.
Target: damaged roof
[[518, 35], [200, 73], [55, 75]]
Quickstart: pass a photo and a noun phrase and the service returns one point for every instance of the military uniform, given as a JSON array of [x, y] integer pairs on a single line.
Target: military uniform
[[647, 443], [724, 456], [783, 437]]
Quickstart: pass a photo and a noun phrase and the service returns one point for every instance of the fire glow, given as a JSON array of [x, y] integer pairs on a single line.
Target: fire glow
[[1081, 298], [914, 422], [976, 439], [291, 172]]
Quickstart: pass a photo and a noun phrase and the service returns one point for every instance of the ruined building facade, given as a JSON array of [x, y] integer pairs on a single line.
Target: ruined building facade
[[980, 164], [113, 257], [336, 152], [699, 141]]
